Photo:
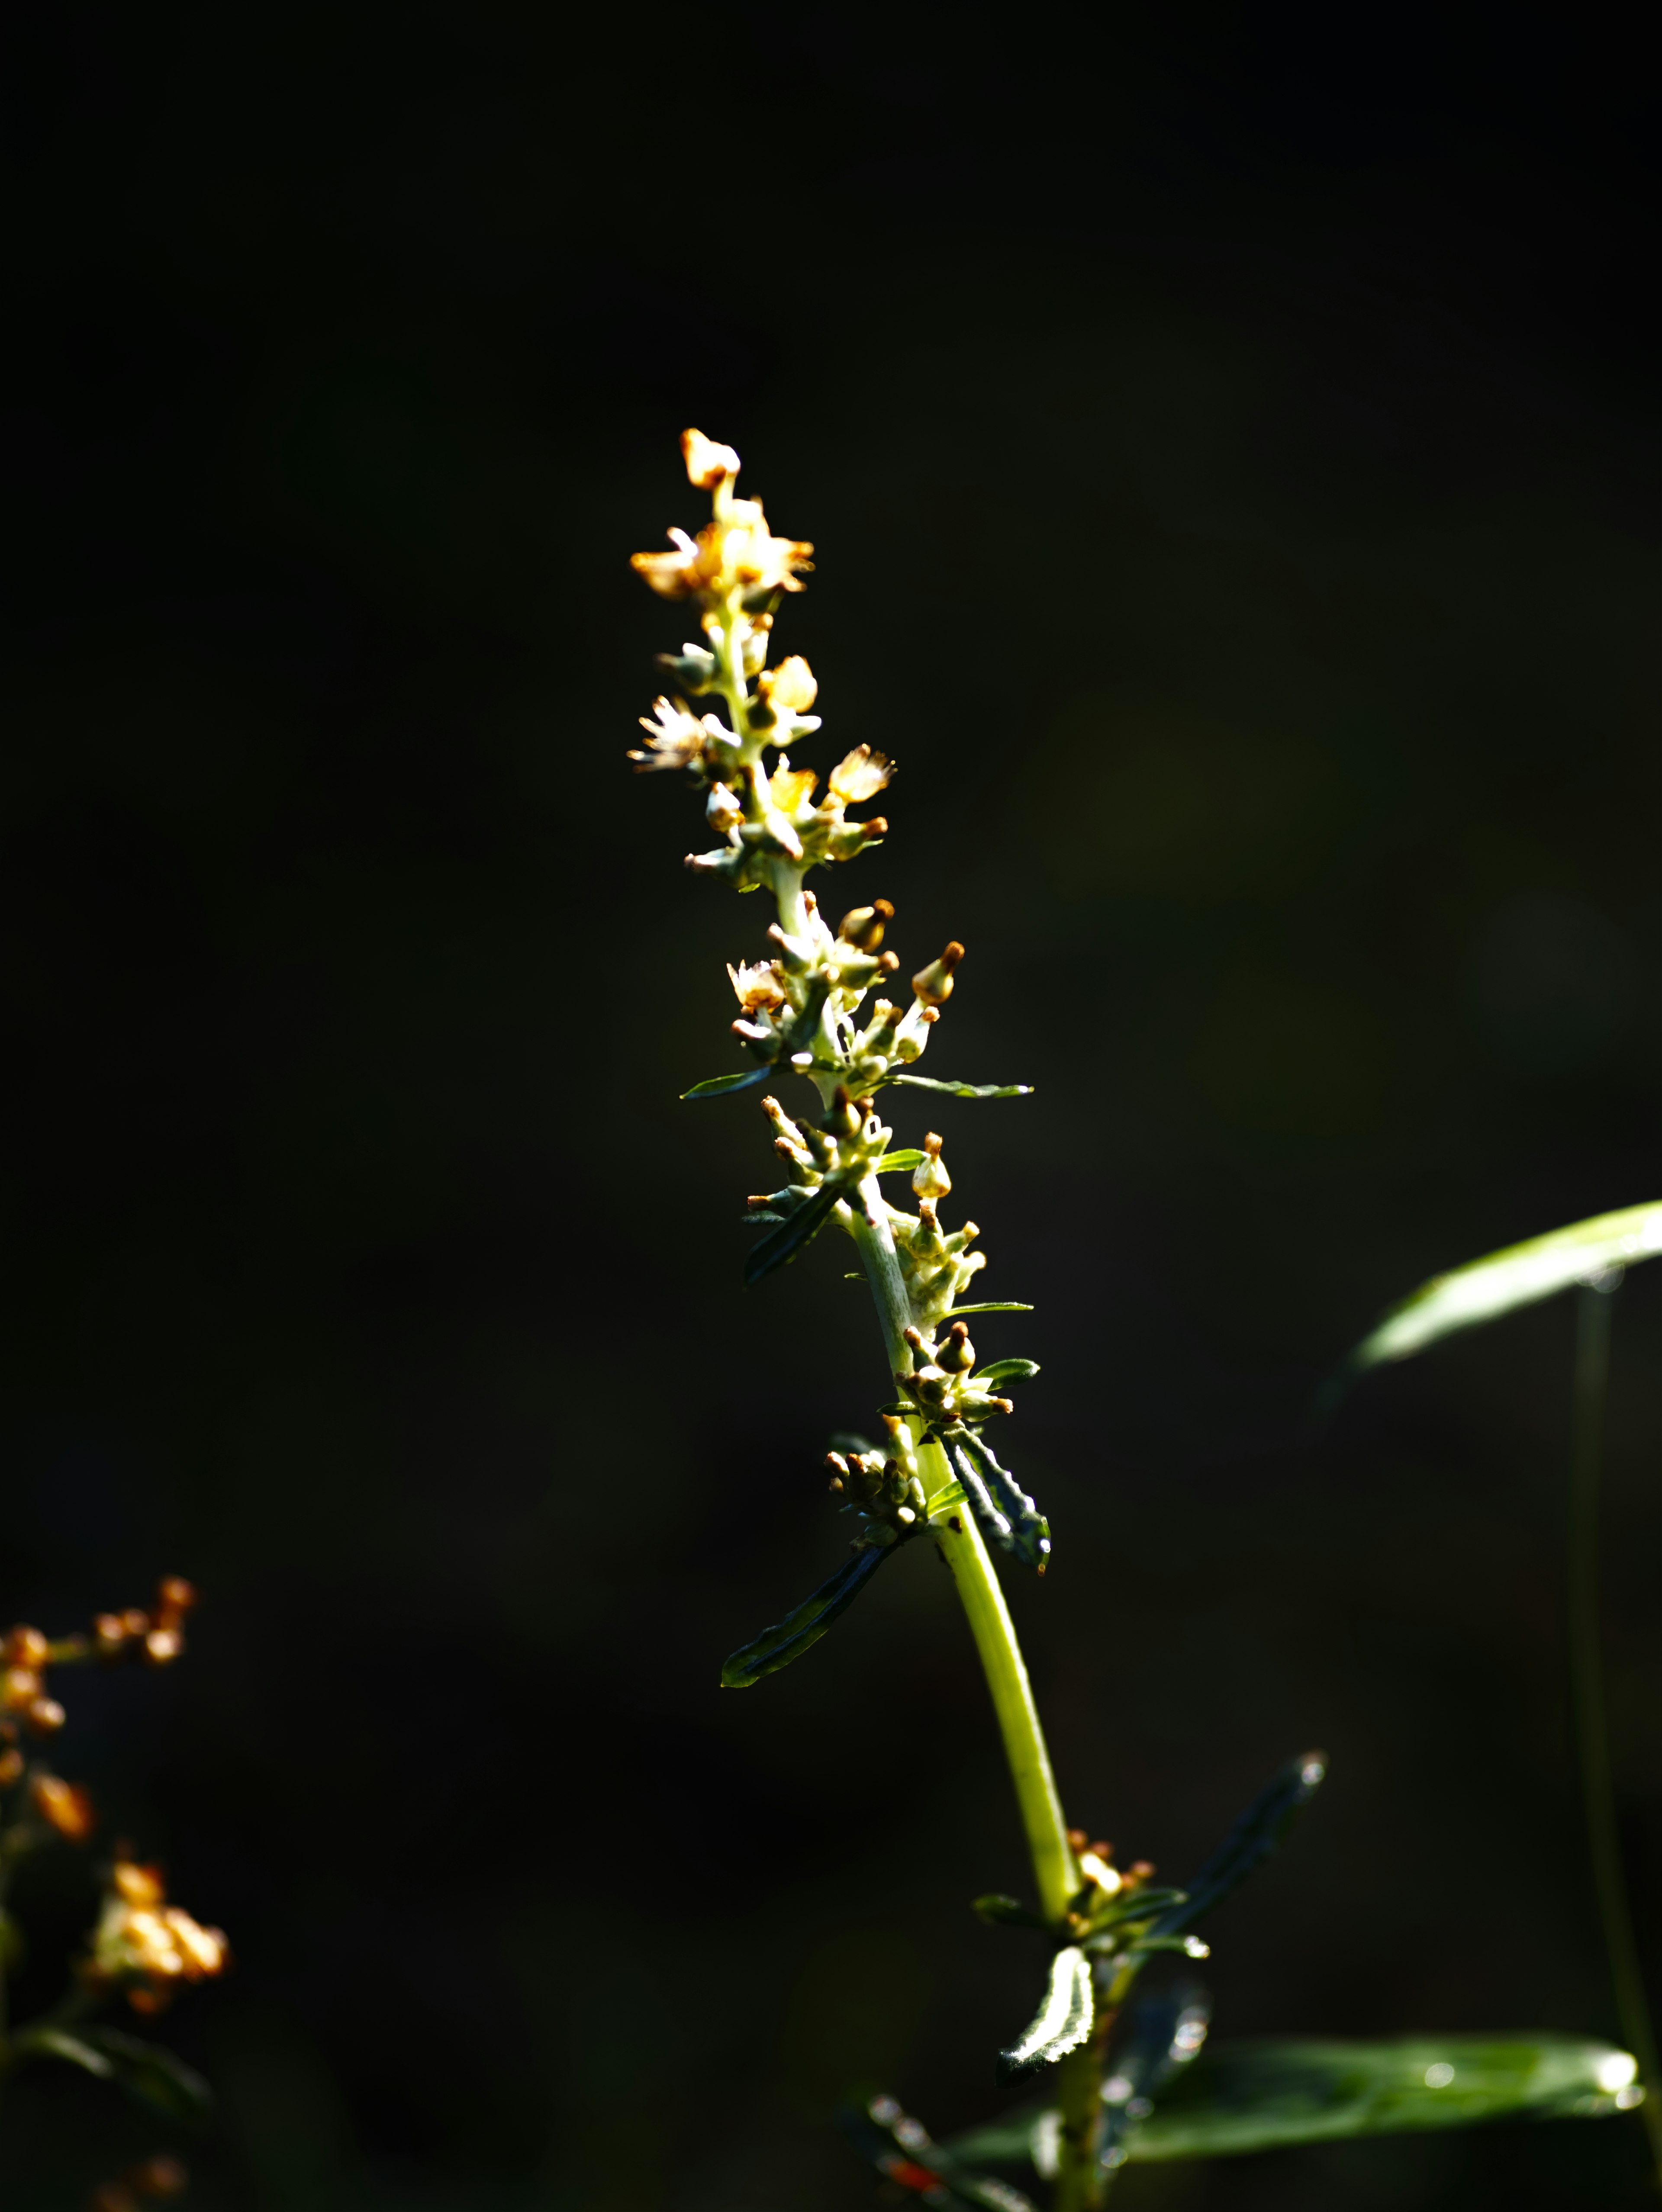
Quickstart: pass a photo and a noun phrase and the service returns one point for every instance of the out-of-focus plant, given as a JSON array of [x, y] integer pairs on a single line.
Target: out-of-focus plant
[[1592, 1257], [140, 1949], [1119, 2076]]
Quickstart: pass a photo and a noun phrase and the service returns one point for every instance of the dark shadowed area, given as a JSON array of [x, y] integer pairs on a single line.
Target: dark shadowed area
[[1229, 445]]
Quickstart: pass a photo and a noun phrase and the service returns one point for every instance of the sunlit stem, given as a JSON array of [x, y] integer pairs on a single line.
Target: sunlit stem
[[1592, 1358]]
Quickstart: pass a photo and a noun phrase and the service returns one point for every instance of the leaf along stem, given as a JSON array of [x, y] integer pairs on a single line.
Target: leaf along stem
[[1592, 1359]]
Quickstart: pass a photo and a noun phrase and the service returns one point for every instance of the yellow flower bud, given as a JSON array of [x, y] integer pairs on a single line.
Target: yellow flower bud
[[934, 984], [791, 686], [707, 462]]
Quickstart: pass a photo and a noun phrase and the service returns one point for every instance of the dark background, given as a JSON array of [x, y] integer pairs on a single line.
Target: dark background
[[1224, 435]]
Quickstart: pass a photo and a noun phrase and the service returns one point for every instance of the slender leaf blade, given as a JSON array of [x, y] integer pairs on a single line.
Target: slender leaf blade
[[988, 1305], [720, 1086], [1008, 1371], [1061, 2022], [1266, 2093], [1275, 2093], [803, 1627], [965, 1090], [1255, 1836], [1485, 1289], [1002, 1507], [153, 2075], [903, 2152], [1007, 1911], [60, 2043], [901, 1163], [781, 1245]]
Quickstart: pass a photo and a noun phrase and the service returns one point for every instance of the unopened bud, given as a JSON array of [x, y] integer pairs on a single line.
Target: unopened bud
[[64, 1806], [11, 1766], [957, 1355], [707, 462], [843, 1117], [45, 1716], [934, 984], [174, 1595], [931, 1179], [163, 1644], [19, 1687], [27, 1647], [863, 925]]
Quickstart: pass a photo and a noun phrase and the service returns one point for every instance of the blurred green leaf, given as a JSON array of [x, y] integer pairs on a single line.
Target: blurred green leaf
[[781, 1245], [149, 2074], [991, 1306], [1007, 1370], [1255, 2095], [899, 1162], [789, 1639], [1485, 1289], [1061, 2022], [1255, 1836], [1275, 2093], [152, 2076], [1008, 1912], [1002, 1507], [718, 1086], [903, 2151], [965, 1090]]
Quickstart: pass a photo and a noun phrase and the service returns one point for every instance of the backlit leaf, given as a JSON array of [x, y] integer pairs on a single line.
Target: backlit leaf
[[789, 1639], [1487, 1288], [1007, 1370], [904, 1162], [1260, 2095], [991, 1306], [965, 1090], [717, 1087], [1061, 2022], [781, 1245], [1255, 1836], [905, 2154], [1004, 1510]]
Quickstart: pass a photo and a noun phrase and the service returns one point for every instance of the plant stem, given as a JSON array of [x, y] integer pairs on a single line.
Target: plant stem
[[961, 1546], [1593, 1353]]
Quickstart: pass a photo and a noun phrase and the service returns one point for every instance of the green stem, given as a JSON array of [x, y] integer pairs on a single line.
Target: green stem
[[961, 1546], [1592, 1354]]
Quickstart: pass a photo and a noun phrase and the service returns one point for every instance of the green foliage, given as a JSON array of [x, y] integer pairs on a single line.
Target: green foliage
[[149, 2074], [719, 1086], [965, 1090], [1255, 1836], [1485, 1289], [803, 1627], [1003, 1509], [793, 1235], [1274, 2092], [1061, 2022]]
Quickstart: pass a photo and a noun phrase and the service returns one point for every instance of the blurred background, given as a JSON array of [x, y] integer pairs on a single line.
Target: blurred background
[[1228, 440]]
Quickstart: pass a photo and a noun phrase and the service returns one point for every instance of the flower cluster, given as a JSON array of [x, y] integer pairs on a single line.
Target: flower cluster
[[145, 1946], [806, 1007]]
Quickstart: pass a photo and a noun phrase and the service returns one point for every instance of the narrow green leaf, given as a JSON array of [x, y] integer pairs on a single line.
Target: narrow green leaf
[[59, 2043], [1007, 1370], [1275, 2093], [1008, 1912], [1061, 2022], [903, 2152], [1255, 1836], [789, 1639], [718, 1086], [990, 1305], [1002, 1507], [781, 1245], [1163, 2035], [152, 2076], [904, 1163], [1256, 2095], [965, 1090], [1487, 1288]]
